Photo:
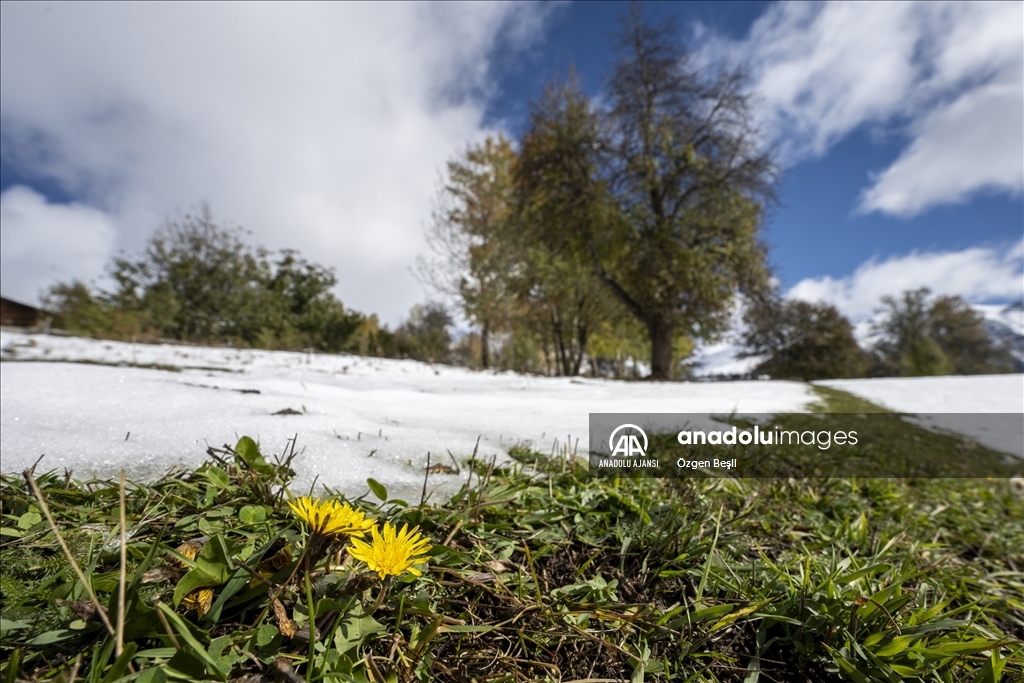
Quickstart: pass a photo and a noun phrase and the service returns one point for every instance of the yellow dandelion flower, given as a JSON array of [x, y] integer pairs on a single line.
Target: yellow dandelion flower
[[199, 600], [190, 549], [331, 518], [393, 552]]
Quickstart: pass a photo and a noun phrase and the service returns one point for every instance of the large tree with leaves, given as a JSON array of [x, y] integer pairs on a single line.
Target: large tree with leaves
[[934, 337], [665, 189], [469, 236], [198, 280], [194, 279], [558, 197], [802, 340], [960, 332], [689, 179]]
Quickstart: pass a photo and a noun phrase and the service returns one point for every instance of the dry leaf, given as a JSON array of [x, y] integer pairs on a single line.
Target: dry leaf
[[481, 578], [161, 575], [284, 624], [83, 609], [496, 566]]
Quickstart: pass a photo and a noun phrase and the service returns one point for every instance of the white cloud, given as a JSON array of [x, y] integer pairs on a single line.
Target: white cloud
[[977, 274], [318, 126], [41, 243], [974, 143], [947, 74]]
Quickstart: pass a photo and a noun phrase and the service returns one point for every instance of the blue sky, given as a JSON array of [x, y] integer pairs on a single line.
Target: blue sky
[[325, 127]]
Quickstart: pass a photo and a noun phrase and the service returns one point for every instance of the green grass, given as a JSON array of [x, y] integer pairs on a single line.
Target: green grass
[[888, 446], [837, 401], [538, 572]]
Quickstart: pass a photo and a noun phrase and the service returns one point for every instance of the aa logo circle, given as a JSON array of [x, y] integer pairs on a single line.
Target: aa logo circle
[[628, 442]]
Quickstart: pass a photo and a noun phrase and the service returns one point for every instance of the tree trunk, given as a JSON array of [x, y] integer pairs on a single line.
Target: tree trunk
[[556, 329], [581, 337], [485, 343], [660, 330], [510, 356]]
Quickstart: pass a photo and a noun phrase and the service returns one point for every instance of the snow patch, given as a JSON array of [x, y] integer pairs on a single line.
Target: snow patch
[[951, 394], [358, 417]]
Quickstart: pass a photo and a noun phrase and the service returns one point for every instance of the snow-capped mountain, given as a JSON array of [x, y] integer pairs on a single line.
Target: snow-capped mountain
[[1005, 325]]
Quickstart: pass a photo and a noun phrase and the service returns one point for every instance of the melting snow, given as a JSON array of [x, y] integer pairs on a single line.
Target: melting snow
[[358, 417], [952, 404], [954, 394]]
